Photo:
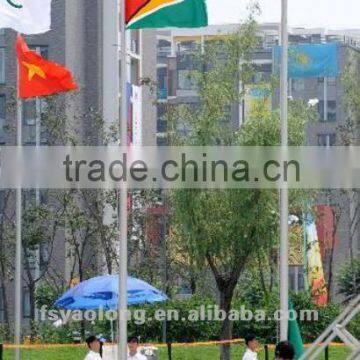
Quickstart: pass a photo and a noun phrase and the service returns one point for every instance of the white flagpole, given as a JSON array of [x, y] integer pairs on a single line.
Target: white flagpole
[[122, 353], [18, 251], [114, 40], [284, 198]]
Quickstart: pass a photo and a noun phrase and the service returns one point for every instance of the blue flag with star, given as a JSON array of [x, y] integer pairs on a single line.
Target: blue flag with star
[[309, 60]]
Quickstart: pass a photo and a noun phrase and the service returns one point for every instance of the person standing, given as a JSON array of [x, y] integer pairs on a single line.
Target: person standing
[[134, 354], [94, 345], [251, 347], [284, 351]]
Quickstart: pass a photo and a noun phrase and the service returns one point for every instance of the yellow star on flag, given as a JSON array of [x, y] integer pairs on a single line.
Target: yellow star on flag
[[34, 70]]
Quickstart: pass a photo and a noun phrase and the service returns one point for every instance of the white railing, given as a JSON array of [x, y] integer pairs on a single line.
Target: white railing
[[337, 329]]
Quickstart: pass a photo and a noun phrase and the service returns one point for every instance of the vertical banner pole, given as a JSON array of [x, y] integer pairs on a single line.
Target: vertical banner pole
[[123, 199], [18, 250], [284, 198]]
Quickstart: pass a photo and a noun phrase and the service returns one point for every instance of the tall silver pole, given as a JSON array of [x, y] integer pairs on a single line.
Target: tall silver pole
[[114, 36], [284, 198], [123, 199], [18, 251], [38, 104]]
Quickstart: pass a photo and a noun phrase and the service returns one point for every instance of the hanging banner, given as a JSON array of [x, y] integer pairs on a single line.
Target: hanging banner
[[326, 224], [315, 270], [136, 116]]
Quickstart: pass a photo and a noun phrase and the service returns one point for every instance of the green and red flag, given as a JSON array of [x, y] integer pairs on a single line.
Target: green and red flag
[[142, 14]]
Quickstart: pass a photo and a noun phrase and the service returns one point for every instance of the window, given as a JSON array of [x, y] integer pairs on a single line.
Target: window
[[188, 46], [29, 112], [271, 40], [163, 51], [331, 81], [161, 118], [186, 80], [326, 139], [161, 140], [2, 114], [262, 73], [296, 278], [2, 66], [2, 201], [33, 110], [297, 84], [41, 50], [331, 110], [44, 256], [26, 303], [162, 83]]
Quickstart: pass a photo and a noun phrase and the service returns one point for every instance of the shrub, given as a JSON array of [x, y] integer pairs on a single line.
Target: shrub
[[185, 330]]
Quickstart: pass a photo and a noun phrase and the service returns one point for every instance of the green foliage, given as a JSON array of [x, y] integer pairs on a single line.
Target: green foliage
[[262, 128], [193, 331], [349, 279], [5, 334], [226, 226], [310, 330], [46, 295], [47, 333]]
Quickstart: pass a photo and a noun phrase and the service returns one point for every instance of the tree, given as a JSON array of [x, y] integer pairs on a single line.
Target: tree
[[40, 225], [350, 132], [226, 229], [349, 279]]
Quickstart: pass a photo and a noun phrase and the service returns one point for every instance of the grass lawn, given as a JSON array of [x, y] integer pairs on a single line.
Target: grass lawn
[[179, 353]]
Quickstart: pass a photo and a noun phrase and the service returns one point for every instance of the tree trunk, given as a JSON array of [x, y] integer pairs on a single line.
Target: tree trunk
[[193, 285], [108, 253], [32, 289], [227, 326]]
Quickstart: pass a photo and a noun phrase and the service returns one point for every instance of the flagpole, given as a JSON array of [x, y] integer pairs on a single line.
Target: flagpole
[[18, 250], [284, 196], [122, 349]]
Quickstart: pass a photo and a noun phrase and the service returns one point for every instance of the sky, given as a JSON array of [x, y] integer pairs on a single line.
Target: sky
[[332, 14]]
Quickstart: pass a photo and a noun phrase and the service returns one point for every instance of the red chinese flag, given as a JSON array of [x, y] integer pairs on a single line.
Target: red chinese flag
[[40, 77]]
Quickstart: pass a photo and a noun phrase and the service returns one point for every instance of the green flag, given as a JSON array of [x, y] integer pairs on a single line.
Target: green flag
[[295, 335], [142, 14]]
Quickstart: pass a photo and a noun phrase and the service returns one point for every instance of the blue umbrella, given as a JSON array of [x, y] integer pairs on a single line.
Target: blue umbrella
[[102, 292]]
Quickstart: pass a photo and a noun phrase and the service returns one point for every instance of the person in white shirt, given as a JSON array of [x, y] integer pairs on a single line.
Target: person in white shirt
[[251, 347], [134, 354], [94, 345]]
